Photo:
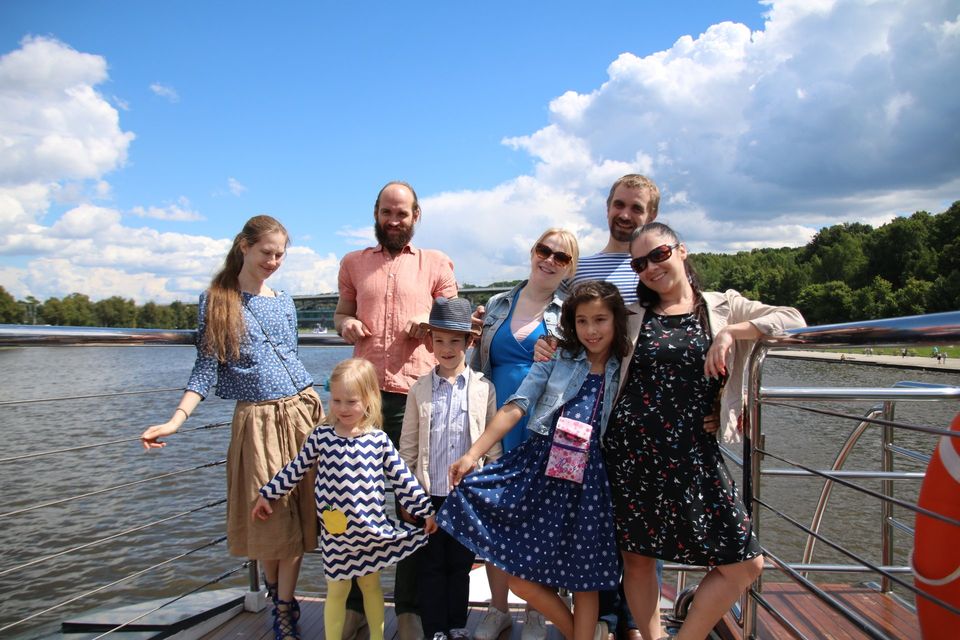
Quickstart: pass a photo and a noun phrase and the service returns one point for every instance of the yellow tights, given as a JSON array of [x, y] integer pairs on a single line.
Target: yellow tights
[[336, 606]]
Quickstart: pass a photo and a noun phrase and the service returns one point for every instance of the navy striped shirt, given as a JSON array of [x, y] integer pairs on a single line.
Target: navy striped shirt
[[609, 267]]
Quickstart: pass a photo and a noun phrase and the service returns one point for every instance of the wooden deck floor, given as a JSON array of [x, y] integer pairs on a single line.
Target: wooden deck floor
[[815, 619], [811, 617], [258, 626]]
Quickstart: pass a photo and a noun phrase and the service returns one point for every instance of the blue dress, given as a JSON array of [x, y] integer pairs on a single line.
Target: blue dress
[[510, 362], [546, 530]]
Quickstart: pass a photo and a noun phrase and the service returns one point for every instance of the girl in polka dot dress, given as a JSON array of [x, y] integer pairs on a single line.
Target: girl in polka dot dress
[[247, 345], [542, 512]]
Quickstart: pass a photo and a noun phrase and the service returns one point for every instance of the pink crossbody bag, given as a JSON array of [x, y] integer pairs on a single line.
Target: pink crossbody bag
[[570, 448]]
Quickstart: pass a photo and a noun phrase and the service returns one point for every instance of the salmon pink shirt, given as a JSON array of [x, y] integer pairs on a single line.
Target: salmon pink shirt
[[388, 291]]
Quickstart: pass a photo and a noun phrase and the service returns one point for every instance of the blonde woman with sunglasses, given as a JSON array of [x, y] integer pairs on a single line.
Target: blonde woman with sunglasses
[[513, 321], [673, 496]]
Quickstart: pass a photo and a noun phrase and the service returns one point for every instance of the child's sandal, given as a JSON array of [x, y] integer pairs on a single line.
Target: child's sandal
[[284, 626]]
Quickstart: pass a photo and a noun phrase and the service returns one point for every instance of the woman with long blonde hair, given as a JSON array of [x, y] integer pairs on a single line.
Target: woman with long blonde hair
[[247, 345], [513, 321]]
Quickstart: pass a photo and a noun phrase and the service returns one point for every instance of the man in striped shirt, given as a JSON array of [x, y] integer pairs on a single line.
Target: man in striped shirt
[[633, 202]]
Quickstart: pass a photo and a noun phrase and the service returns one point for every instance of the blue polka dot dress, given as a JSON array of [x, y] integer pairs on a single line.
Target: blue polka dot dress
[[546, 530]]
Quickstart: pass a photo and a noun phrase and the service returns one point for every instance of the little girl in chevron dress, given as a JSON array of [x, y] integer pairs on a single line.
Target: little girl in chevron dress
[[352, 456]]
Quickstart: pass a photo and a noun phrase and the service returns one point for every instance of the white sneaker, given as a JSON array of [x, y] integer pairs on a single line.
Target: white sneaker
[[535, 628], [494, 623]]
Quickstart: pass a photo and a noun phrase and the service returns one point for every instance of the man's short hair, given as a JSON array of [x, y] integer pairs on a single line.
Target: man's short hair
[[637, 181], [416, 202]]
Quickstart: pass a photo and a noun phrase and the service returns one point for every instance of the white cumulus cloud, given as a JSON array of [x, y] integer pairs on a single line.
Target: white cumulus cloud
[[834, 111], [59, 138], [54, 125]]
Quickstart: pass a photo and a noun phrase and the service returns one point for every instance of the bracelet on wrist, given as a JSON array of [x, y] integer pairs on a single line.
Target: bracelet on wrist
[[186, 416]]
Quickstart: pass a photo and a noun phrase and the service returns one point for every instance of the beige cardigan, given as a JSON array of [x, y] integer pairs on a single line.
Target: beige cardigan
[[726, 308], [415, 436]]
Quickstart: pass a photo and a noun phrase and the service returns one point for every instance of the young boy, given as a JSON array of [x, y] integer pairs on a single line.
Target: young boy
[[447, 410]]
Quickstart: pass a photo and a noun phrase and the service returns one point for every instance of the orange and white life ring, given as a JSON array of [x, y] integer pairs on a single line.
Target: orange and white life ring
[[936, 545]]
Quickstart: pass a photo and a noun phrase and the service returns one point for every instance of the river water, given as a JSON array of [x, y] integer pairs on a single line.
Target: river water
[[43, 372]]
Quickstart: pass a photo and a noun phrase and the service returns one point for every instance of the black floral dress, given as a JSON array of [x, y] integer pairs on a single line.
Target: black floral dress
[[673, 496]]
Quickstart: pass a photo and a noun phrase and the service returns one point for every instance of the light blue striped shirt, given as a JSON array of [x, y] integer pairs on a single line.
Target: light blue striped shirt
[[449, 428]]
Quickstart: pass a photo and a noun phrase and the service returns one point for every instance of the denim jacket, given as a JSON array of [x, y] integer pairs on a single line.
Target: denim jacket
[[551, 384], [497, 310]]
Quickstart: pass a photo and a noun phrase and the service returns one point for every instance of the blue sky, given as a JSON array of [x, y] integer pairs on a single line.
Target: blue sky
[[136, 138]]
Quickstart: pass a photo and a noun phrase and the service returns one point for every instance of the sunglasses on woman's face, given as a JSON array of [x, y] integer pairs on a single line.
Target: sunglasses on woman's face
[[659, 254], [559, 257]]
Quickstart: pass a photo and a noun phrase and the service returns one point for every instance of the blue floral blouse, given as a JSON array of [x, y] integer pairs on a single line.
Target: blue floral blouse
[[260, 373]]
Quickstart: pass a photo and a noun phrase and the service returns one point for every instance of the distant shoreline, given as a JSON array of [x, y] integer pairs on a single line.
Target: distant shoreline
[[925, 363]]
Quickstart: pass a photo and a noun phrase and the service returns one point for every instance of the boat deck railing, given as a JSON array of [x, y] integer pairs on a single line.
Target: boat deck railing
[[760, 464], [45, 336], [758, 460]]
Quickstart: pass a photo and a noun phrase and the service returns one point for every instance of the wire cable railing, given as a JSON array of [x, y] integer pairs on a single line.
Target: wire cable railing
[[116, 487], [109, 538], [127, 578], [78, 549], [92, 396], [105, 443], [934, 329], [218, 579], [209, 583]]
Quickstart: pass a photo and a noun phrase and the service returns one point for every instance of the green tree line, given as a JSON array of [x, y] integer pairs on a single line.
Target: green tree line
[[848, 272], [78, 310], [852, 271]]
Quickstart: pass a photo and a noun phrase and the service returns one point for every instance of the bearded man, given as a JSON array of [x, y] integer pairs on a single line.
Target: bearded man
[[386, 291]]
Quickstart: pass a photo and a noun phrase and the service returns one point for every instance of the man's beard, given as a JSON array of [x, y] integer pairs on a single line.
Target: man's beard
[[396, 241], [619, 234]]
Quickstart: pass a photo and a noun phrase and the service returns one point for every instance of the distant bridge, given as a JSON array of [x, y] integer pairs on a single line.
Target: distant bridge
[[317, 309]]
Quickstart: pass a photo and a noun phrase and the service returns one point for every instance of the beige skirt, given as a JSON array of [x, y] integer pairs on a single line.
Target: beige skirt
[[264, 437]]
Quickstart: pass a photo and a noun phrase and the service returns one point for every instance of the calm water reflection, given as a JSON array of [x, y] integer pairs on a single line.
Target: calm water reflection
[[54, 372]]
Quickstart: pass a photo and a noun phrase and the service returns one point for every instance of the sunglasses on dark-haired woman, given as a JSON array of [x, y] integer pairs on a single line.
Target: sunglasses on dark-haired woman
[[658, 254]]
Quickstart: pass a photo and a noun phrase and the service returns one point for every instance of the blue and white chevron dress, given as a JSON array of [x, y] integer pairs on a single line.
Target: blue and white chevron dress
[[350, 477]]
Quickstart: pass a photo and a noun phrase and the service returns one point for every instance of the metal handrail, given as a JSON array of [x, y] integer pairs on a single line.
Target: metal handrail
[[26, 335], [933, 329]]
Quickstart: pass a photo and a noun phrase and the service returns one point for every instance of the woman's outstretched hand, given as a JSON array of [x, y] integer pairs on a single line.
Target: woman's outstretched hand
[[151, 437], [460, 468]]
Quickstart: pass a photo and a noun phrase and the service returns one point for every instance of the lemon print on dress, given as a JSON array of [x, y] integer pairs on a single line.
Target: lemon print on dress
[[334, 521]]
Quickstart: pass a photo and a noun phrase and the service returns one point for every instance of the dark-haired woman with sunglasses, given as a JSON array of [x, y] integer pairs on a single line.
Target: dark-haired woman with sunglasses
[[673, 496], [512, 323]]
